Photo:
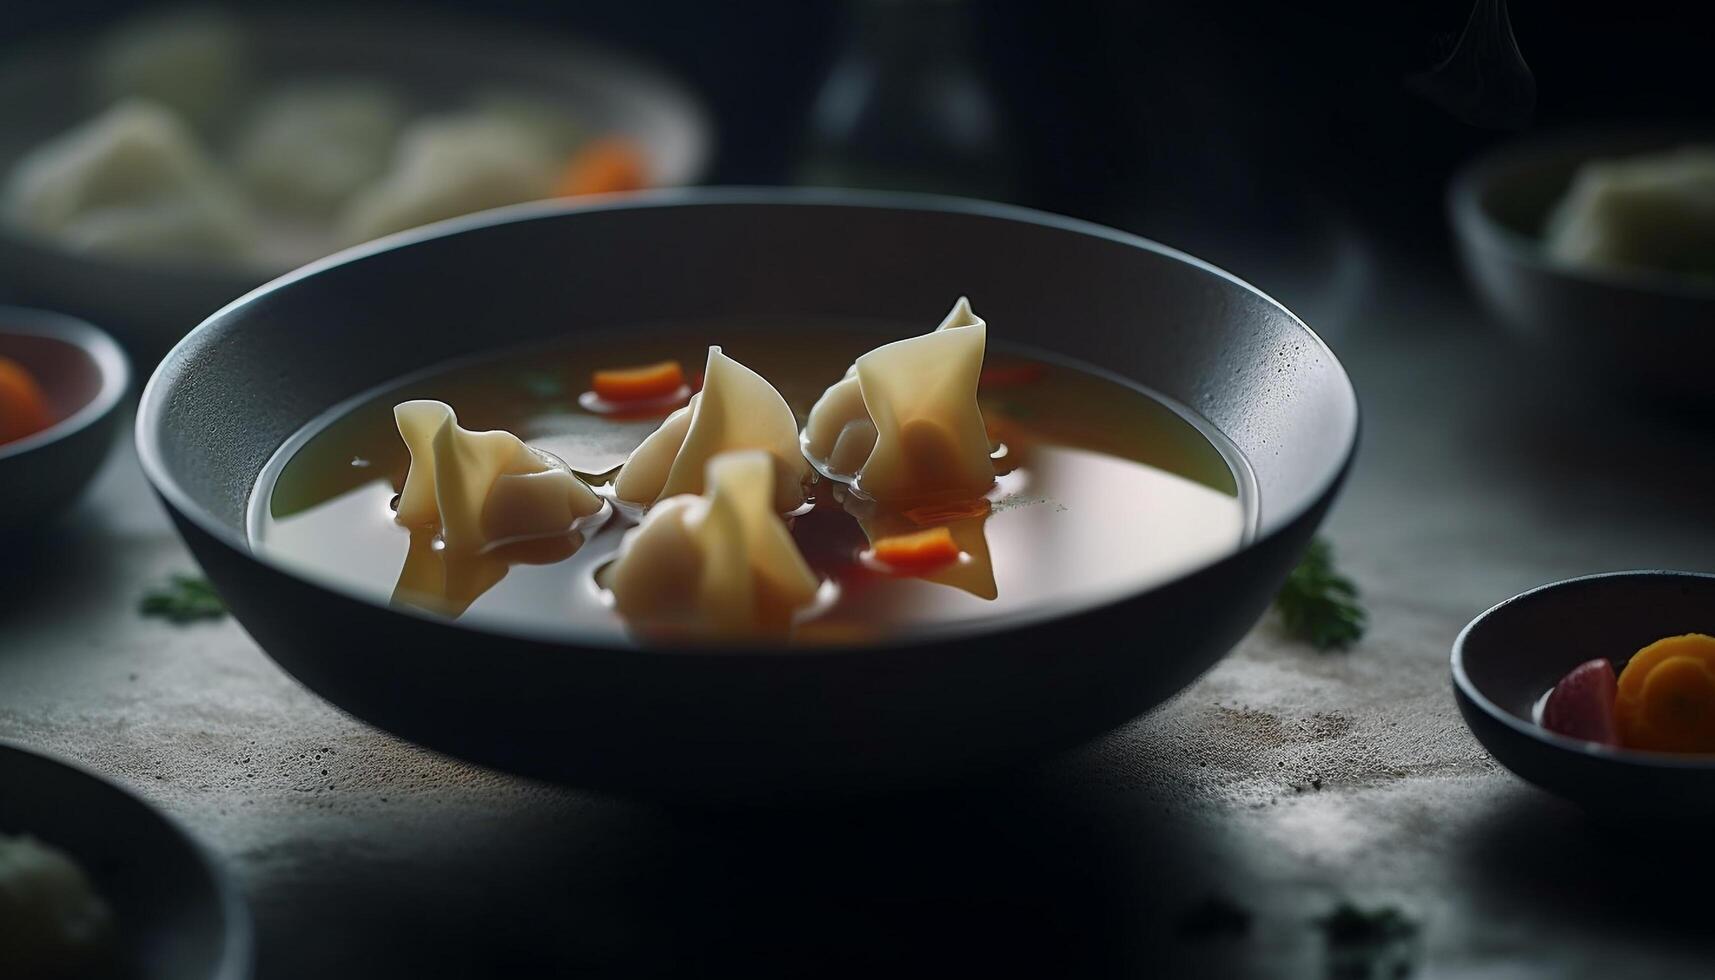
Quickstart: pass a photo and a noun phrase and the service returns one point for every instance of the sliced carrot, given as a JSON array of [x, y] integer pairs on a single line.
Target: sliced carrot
[[919, 551], [604, 166], [23, 407], [1666, 699], [633, 384], [1006, 375]]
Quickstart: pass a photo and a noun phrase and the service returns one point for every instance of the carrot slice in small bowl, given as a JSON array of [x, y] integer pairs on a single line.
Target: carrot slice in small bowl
[[645, 382], [24, 407], [917, 552]]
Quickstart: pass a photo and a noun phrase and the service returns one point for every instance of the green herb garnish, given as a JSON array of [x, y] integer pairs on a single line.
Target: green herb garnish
[[1318, 604], [184, 599]]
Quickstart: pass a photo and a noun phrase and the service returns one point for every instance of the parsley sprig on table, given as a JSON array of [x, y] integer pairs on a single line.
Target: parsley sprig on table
[[1319, 605], [184, 599]]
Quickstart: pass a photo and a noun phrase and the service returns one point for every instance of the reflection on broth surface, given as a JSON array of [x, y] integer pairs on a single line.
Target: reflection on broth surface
[[1101, 489]]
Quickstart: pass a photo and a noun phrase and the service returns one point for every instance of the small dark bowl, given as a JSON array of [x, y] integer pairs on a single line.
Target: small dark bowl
[[84, 374], [1508, 657], [1636, 332], [742, 721], [176, 915]]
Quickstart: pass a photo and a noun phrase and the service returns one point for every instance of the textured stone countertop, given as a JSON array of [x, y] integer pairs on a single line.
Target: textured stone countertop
[[1285, 780]]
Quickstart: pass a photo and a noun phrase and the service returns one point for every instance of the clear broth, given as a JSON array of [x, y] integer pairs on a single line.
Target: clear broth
[[1104, 489]]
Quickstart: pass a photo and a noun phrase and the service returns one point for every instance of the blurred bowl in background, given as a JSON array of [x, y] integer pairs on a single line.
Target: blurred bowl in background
[[47, 88], [1635, 331], [175, 913], [84, 374]]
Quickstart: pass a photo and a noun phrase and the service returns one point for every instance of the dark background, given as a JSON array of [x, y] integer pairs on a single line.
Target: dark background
[[1123, 110]]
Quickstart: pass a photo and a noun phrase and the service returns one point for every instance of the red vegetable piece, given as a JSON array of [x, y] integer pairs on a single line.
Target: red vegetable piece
[[1582, 704], [1008, 375]]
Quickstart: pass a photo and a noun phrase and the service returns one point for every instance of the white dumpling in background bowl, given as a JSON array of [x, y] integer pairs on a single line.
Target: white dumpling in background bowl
[[737, 409], [450, 165], [52, 921], [552, 124], [1652, 211], [483, 488], [134, 182], [903, 424], [310, 145], [717, 563], [193, 60]]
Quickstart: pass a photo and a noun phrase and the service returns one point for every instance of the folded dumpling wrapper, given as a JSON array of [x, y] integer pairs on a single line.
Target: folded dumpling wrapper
[[481, 488], [737, 409], [447, 581], [450, 165], [196, 59], [132, 181], [904, 423], [311, 145], [723, 562]]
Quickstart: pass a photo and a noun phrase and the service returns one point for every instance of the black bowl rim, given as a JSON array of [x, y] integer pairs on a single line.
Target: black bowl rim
[[150, 408], [1472, 221], [1631, 757], [238, 938], [102, 349]]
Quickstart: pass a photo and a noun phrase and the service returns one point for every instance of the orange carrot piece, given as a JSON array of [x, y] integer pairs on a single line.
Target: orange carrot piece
[[603, 166], [24, 408], [919, 551], [632, 384]]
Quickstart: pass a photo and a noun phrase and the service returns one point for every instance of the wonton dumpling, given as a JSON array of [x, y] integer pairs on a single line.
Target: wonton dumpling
[[451, 165], [737, 409], [309, 146], [480, 488], [131, 181], [903, 423], [724, 561], [1649, 212], [445, 581], [553, 125], [193, 60]]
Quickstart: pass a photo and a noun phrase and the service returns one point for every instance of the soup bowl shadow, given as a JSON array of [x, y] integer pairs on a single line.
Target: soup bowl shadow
[[743, 723], [1511, 655]]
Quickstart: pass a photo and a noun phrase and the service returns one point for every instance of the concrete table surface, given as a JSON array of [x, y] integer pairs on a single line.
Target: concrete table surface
[[1286, 780]]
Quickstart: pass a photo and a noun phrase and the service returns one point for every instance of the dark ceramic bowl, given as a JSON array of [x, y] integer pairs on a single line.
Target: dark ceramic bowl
[[1633, 331], [176, 915], [1510, 656], [745, 721], [84, 374]]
